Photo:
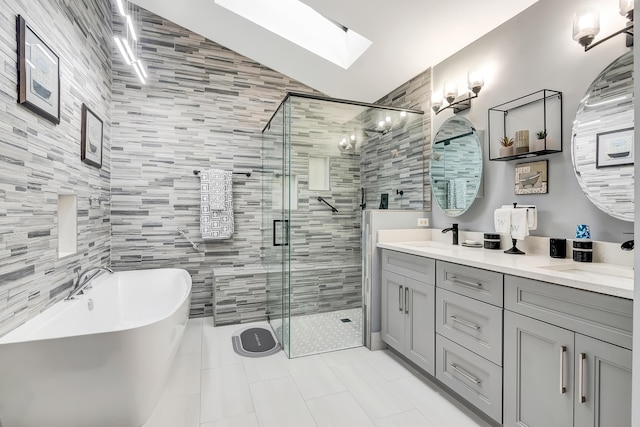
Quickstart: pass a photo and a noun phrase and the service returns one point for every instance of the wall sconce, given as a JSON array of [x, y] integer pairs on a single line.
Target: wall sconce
[[347, 144], [462, 102], [586, 26]]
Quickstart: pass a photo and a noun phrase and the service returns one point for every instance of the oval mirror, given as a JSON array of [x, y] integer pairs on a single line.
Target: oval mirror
[[602, 140], [455, 166]]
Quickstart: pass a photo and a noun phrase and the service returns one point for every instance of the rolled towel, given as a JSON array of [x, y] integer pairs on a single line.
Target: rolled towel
[[502, 220], [519, 224]]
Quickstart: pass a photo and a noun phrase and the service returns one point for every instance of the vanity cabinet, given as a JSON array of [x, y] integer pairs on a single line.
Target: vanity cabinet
[[555, 375], [408, 301]]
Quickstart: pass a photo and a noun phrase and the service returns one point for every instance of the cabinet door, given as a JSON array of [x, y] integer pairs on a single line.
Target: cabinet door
[[538, 373], [419, 327], [603, 384], [392, 327]]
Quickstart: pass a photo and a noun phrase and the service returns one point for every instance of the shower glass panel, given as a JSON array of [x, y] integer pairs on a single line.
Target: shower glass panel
[[312, 237]]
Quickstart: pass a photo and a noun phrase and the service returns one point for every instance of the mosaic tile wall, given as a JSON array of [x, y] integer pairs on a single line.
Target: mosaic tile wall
[[204, 106], [39, 160], [416, 95]]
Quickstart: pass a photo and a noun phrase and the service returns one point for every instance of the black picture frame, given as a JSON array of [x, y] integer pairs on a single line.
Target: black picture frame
[[91, 138], [38, 74], [615, 148]]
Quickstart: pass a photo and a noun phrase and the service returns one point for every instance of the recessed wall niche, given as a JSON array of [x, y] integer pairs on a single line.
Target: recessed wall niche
[[67, 225], [319, 173]]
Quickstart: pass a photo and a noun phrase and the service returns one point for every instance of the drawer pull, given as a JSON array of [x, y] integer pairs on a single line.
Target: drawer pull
[[563, 350], [400, 299], [581, 397], [464, 373], [406, 300], [459, 281], [465, 323]]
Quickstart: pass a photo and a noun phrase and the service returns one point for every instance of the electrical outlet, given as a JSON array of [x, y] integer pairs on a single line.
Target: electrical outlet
[[423, 222]]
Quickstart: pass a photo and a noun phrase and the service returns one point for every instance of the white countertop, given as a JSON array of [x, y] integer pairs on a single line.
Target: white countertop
[[604, 278]]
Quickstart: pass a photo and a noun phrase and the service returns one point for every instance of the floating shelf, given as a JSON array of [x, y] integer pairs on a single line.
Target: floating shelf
[[537, 111]]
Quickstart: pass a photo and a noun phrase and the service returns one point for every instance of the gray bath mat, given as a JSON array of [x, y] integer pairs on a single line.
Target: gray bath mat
[[255, 342]]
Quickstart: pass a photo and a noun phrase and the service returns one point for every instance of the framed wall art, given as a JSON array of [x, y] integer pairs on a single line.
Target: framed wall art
[[91, 138], [614, 148], [38, 74], [531, 178]]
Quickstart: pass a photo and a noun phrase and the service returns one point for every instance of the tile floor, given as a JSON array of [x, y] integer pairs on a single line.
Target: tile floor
[[211, 386]]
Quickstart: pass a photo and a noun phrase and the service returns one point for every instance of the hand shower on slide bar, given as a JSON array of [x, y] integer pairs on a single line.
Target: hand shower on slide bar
[[184, 234]]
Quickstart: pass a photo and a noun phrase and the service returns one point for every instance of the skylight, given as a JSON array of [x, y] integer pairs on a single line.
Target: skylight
[[300, 24]]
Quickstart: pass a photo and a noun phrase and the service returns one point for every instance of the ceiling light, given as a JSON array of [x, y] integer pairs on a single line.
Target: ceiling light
[[124, 53], [142, 70], [132, 57], [121, 7], [302, 25], [132, 31], [138, 72]]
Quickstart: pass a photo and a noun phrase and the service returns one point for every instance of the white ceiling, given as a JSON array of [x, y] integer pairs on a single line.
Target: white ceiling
[[408, 37]]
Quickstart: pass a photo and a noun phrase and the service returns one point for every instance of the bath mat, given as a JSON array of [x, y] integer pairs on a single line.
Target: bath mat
[[255, 342]]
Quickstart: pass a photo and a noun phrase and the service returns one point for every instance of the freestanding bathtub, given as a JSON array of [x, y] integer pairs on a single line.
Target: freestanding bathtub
[[102, 360]]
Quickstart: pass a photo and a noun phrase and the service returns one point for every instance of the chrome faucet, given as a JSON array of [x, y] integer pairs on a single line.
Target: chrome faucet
[[454, 233], [83, 282]]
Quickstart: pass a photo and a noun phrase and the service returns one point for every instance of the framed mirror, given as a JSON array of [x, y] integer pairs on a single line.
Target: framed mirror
[[602, 140], [455, 166]]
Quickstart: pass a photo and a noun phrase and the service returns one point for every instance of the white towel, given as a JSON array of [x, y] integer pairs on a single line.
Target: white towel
[[502, 220], [216, 204], [532, 217], [519, 223]]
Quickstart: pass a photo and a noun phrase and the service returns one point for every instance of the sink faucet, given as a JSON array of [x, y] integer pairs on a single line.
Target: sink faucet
[[82, 282], [627, 246], [454, 233]]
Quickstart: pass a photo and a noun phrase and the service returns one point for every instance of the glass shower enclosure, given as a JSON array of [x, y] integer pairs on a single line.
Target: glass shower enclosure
[[323, 160]]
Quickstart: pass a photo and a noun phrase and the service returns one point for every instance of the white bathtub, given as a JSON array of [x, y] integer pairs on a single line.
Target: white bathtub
[[105, 367]]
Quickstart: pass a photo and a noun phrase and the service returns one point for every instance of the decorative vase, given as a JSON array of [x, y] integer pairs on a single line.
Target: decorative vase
[[506, 151]]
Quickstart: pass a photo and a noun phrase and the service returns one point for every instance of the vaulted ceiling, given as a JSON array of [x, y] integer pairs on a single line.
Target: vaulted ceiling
[[408, 37]]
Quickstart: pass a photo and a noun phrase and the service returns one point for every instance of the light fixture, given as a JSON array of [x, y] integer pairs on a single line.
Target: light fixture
[[121, 8], [124, 41], [347, 144], [123, 51], [459, 102], [586, 26]]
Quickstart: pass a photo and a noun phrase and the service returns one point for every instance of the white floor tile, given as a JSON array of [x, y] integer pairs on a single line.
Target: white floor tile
[[439, 408], [385, 363], [343, 357], [314, 377], [174, 411], [246, 420], [192, 337], [407, 419], [185, 375], [372, 391], [278, 403], [338, 410], [265, 368], [217, 349], [225, 393]]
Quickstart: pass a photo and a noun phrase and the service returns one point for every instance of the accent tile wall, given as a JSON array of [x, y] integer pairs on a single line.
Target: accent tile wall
[[39, 160], [203, 106]]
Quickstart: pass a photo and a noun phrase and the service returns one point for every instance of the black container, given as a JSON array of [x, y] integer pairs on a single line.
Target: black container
[[582, 244], [557, 248], [491, 241], [583, 255]]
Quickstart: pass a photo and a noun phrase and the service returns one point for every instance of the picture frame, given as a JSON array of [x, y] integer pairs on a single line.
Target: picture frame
[[91, 138], [614, 148], [531, 178], [38, 74]]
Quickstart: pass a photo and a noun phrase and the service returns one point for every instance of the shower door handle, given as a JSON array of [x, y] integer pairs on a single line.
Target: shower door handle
[[284, 232]]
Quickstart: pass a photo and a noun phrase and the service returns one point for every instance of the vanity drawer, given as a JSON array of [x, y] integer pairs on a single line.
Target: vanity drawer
[[473, 282], [600, 316], [471, 323], [474, 378], [412, 266]]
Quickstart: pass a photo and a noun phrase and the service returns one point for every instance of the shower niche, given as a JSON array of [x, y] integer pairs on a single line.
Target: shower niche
[[319, 153]]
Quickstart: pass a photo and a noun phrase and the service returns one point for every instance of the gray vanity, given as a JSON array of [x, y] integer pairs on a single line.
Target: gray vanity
[[525, 352]]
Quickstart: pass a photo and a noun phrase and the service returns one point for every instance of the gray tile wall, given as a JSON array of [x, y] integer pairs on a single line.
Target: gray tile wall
[[203, 106], [39, 160]]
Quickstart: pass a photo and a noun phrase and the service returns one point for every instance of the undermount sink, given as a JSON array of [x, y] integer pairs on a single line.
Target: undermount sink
[[590, 269]]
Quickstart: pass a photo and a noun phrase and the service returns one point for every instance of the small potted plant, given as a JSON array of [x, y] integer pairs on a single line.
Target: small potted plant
[[540, 142], [506, 148]]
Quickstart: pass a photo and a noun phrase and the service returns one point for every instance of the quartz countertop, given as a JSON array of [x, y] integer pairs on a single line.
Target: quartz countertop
[[604, 278]]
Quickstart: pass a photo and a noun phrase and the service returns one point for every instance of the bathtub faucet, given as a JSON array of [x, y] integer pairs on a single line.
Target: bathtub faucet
[[83, 282]]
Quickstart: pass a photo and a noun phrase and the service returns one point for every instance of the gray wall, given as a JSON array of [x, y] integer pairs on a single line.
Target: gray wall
[[530, 52], [203, 106], [39, 160]]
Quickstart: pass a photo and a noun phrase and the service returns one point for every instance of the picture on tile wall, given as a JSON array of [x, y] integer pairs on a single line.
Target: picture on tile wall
[[38, 74], [531, 178], [91, 138], [614, 148]]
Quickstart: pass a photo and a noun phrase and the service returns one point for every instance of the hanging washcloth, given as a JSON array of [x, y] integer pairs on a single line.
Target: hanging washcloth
[[502, 220], [216, 204], [519, 224]]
